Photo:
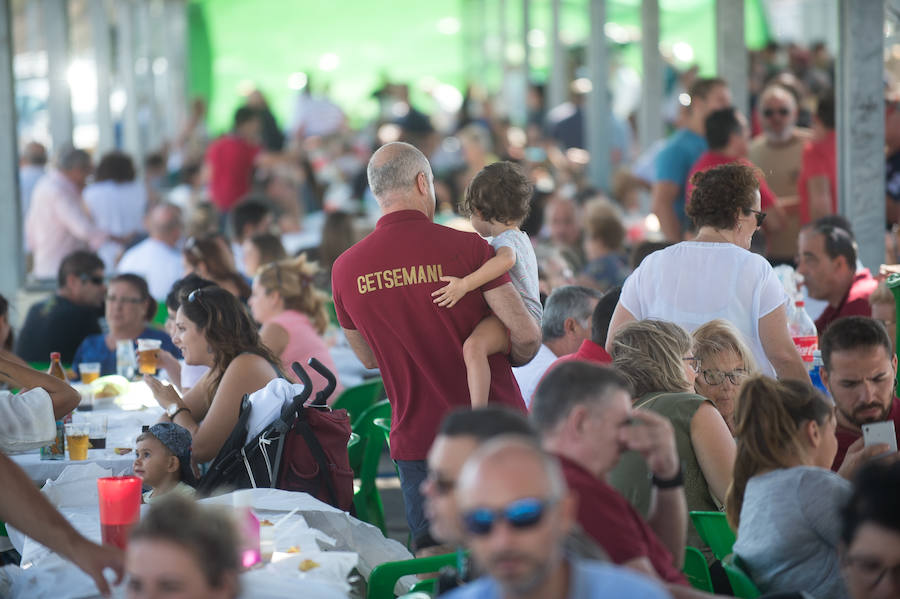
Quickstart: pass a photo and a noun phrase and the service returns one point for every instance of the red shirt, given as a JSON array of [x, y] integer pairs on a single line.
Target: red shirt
[[710, 159], [608, 518], [846, 437], [382, 287], [230, 160], [819, 160], [588, 352], [855, 303]]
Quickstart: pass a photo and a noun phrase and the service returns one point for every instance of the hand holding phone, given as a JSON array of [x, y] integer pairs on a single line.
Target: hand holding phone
[[880, 432]]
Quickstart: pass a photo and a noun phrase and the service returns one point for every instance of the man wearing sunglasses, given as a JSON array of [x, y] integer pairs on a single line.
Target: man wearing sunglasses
[[778, 152], [516, 512], [62, 321]]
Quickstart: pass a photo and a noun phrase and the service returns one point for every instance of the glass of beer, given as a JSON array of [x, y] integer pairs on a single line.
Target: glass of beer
[[148, 353], [98, 427], [90, 372], [77, 435]]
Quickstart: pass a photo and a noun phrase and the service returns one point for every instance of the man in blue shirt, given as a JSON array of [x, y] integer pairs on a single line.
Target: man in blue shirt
[[516, 512], [681, 151]]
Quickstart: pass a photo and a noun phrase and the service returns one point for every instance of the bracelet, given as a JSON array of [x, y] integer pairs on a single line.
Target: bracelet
[[179, 411], [671, 483]]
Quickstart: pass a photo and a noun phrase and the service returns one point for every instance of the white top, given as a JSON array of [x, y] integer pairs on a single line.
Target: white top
[[117, 209], [159, 264], [693, 282], [26, 420], [524, 273], [529, 375]]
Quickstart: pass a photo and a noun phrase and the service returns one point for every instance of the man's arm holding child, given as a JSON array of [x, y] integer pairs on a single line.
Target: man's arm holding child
[[457, 288]]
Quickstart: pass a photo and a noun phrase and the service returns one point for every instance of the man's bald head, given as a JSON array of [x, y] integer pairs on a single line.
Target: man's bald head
[[394, 170], [164, 223]]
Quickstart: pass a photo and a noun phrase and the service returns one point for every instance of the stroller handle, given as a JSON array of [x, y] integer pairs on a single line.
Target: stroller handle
[[290, 409], [325, 393]]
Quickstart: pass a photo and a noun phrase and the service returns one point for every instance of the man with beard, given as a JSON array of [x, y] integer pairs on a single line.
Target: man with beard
[[778, 152], [858, 370], [516, 511]]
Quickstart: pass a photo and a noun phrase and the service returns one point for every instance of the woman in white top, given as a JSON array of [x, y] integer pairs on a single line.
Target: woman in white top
[[716, 276], [117, 202]]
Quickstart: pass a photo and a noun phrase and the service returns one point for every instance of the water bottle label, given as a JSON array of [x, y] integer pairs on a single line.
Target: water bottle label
[[807, 346]]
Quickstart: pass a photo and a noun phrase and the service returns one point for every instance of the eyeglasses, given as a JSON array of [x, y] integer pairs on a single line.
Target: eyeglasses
[[124, 300], [717, 377], [870, 571], [442, 486], [693, 362], [770, 112], [520, 514], [760, 216], [91, 279]]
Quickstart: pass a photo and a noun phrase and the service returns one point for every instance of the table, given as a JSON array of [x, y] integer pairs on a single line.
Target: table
[[328, 536]]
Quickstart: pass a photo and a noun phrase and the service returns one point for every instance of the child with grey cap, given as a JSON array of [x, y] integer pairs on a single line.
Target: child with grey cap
[[163, 461]]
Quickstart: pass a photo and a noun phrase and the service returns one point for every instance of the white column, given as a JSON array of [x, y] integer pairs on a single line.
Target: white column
[[557, 91], [731, 51], [597, 109], [650, 122], [102, 38], [12, 268], [55, 20], [860, 125], [131, 142], [176, 65]]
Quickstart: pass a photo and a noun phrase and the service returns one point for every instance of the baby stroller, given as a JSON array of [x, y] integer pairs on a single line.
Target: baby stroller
[[304, 449]]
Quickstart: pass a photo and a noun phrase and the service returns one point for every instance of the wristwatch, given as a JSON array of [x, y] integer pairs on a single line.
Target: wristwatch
[[671, 483], [174, 409]]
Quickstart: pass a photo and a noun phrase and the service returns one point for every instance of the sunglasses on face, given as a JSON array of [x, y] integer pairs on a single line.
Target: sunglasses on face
[[770, 112], [760, 217], [91, 279], [520, 515]]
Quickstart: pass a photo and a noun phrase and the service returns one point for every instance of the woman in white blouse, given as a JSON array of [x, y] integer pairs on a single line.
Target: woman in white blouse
[[716, 276]]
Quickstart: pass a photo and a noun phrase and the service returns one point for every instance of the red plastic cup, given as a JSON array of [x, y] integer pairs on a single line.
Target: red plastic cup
[[120, 507]]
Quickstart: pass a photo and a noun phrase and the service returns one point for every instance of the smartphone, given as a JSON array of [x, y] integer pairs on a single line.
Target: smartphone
[[880, 432]]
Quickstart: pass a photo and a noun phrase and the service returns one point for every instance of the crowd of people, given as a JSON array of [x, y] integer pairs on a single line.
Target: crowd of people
[[562, 397]]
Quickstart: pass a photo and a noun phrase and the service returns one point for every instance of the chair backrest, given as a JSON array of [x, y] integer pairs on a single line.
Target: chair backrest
[[162, 314], [356, 400], [385, 576], [371, 439], [715, 531], [742, 586], [696, 570], [384, 425]]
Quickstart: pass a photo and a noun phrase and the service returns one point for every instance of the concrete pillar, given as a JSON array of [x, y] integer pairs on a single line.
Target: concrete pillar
[[102, 38], [597, 108], [55, 20], [650, 122], [176, 65], [12, 269], [557, 91], [131, 142], [860, 125], [731, 51]]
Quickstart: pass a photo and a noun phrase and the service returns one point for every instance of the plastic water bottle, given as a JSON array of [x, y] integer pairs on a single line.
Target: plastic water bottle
[[126, 360], [803, 332], [815, 374]]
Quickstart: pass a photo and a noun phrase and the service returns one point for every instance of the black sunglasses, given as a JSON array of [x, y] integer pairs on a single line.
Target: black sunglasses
[[770, 112], [91, 279], [520, 514], [195, 296], [760, 216]]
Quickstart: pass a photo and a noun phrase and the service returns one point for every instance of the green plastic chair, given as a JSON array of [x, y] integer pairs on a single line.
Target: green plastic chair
[[715, 531], [742, 586], [162, 314], [332, 313], [360, 398], [384, 425], [353, 441], [385, 576], [424, 587], [696, 570], [367, 499]]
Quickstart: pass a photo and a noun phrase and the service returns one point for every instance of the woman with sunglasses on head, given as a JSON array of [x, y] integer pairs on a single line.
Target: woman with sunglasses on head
[[129, 307], [785, 501], [292, 313], [716, 276], [210, 258], [656, 358], [726, 362], [212, 328]]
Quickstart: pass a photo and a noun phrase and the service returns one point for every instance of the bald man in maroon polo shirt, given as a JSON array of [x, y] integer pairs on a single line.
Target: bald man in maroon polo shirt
[[382, 295]]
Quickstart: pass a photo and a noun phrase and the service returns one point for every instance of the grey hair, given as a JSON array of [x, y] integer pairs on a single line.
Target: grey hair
[[569, 385], [568, 301], [398, 171], [70, 158], [514, 443]]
